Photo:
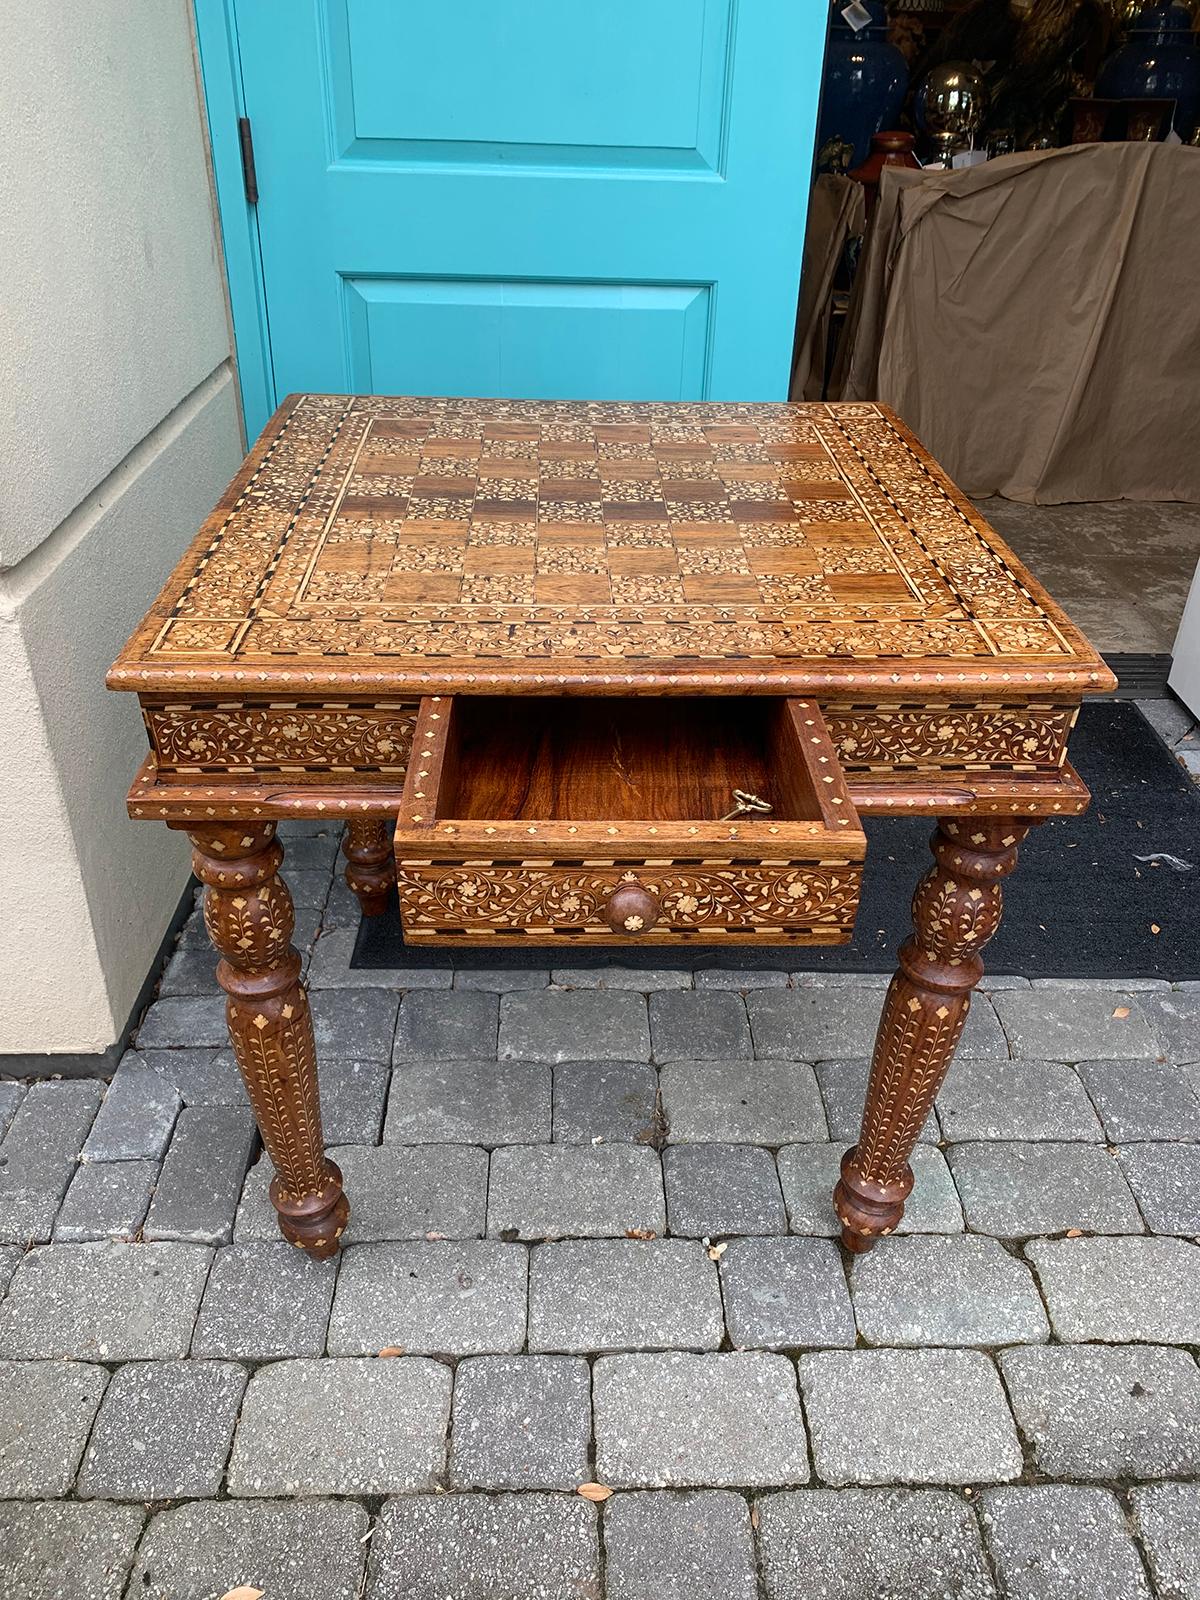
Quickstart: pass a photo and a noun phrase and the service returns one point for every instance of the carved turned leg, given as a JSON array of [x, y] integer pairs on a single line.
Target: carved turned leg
[[370, 864], [956, 910], [248, 911]]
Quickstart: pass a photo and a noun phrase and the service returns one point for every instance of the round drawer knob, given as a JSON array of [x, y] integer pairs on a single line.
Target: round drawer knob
[[631, 909]]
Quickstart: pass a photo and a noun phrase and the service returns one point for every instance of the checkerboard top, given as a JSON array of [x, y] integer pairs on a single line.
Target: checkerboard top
[[476, 543]]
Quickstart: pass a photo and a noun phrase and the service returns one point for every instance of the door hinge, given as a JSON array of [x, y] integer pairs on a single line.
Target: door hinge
[[249, 176]]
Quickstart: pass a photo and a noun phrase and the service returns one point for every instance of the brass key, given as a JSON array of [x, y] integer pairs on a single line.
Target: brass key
[[746, 803]]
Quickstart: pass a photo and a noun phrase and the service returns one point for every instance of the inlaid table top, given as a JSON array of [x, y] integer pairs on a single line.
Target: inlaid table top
[[523, 544]]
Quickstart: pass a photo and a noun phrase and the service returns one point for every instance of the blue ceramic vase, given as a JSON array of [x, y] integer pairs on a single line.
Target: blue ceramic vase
[[863, 90], [1158, 61]]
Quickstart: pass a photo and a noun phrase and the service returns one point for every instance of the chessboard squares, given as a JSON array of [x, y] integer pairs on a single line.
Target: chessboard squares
[[711, 555], [788, 560], [763, 510], [868, 588], [499, 558], [631, 560], [715, 588], [416, 588], [639, 535], [571, 557], [780, 588], [838, 533], [498, 588], [646, 588], [491, 533], [572, 588]]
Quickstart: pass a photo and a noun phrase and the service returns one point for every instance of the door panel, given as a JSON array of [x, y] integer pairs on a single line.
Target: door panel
[[532, 199]]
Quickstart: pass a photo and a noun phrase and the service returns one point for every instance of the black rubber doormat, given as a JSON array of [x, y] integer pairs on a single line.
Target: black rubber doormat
[[1112, 894]]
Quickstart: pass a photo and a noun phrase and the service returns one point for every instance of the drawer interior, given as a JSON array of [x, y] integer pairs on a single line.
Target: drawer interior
[[668, 759]]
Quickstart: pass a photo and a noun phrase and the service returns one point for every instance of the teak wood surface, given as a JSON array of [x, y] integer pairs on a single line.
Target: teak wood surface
[[790, 600]]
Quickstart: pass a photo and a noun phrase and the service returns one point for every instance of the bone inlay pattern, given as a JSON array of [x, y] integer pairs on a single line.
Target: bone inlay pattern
[[518, 535]]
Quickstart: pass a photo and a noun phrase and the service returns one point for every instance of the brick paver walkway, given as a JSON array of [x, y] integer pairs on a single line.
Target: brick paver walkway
[[1002, 1401]]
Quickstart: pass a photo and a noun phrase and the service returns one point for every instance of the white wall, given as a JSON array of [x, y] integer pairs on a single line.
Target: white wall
[[118, 431]]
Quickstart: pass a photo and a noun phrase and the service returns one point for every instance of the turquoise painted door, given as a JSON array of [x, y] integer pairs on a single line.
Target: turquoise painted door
[[601, 199]]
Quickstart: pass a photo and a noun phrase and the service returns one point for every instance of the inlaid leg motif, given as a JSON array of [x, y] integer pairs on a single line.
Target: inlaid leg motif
[[248, 911], [370, 865], [956, 910]]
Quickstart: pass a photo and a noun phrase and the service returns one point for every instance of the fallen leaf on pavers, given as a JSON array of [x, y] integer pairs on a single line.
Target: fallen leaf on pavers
[[1122, 1012], [640, 1233], [716, 1251], [594, 1491], [1154, 928], [393, 1350], [1074, 1233], [244, 1593]]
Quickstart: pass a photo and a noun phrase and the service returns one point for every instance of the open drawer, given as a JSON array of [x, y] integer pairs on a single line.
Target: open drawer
[[530, 820]]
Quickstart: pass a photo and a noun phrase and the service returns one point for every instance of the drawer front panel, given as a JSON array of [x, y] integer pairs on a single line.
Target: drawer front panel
[[271, 737], [547, 901]]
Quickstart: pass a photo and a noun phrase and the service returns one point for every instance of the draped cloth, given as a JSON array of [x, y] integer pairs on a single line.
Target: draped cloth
[[1036, 321]]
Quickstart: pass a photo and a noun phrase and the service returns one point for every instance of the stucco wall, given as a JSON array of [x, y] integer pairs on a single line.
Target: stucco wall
[[118, 431]]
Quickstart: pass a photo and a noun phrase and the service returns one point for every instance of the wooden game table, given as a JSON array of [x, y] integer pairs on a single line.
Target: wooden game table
[[572, 651]]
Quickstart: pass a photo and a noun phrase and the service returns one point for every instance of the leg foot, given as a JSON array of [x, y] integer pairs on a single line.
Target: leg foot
[[370, 865], [956, 910], [248, 911]]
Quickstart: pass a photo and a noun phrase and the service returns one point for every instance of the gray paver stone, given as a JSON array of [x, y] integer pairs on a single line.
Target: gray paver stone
[[1167, 1518], [293, 1550], [11, 1095], [1165, 1179], [67, 1551], [1015, 1100], [469, 1102], [908, 1416], [699, 1026], [784, 1293], [499, 980], [112, 1302], [342, 1427], [191, 970], [614, 1101], [1115, 1290], [676, 1545], [189, 1021], [611, 975], [1142, 1099], [330, 967], [446, 1026], [665, 1421], [574, 1025], [46, 1413], [1075, 1024], [10, 1255], [867, 1544], [354, 1024], [163, 1431], [197, 1194], [722, 1188], [623, 1294], [1059, 1541], [551, 1191], [432, 1299], [740, 979], [1169, 719], [1097, 1412], [1175, 1021], [200, 1077], [263, 1301], [1013, 1190], [843, 1087], [521, 1422], [957, 1289], [396, 1192], [352, 1100], [39, 1155], [756, 1102], [486, 1547], [808, 1173], [106, 1200], [814, 1023], [137, 1116]]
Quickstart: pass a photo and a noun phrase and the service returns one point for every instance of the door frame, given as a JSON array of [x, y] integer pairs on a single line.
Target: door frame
[[220, 74]]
